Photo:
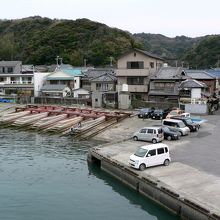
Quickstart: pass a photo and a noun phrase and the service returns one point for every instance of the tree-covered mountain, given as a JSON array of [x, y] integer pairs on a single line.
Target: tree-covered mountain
[[200, 52], [37, 40], [206, 54]]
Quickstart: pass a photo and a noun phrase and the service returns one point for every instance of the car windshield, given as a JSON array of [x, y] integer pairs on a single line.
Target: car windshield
[[173, 113], [141, 152], [166, 129], [181, 124], [144, 110], [189, 121], [157, 111]]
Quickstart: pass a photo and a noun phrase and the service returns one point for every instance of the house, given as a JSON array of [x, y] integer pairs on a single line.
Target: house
[[55, 90], [134, 69], [216, 74], [67, 77], [192, 90], [204, 77], [164, 84], [15, 78], [193, 96], [101, 83]]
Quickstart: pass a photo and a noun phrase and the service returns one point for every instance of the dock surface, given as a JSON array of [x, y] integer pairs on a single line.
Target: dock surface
[[194, 171]]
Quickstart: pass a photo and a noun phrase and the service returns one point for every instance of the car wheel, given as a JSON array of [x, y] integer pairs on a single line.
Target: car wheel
[[180, 133], [142, 167], [154, 141], [169, 138], [135, 138], [166, 162]]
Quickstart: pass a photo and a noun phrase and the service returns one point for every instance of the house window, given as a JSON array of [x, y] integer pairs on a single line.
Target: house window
[[135, 80], [10, 70], [135, 65], [151, 64], [98, 86]]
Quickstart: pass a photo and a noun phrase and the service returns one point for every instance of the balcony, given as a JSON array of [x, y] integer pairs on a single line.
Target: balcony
[[134, 88], [133, 72], [18, 84]]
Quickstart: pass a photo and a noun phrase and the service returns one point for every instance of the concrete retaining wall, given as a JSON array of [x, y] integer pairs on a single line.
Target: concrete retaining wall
[[196, 108], [156, 191]]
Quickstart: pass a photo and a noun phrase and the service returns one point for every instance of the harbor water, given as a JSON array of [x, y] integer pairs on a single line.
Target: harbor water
[[45, 177]]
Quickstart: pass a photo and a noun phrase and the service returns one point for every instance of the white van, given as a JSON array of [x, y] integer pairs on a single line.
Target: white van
[[150, 155], [176, 125]]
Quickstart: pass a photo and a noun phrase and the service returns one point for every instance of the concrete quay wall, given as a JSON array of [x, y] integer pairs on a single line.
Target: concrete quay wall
[[153, 189]]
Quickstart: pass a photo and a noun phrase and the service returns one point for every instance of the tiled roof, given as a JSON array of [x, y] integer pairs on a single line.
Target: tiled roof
[[192, 83], [169, 73], [53, 87], [215, 73], [198, 74], [95, 73], [10, 63], [149, 54]]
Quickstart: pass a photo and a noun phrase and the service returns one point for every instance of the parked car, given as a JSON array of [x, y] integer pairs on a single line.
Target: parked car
[[175, 112], [176, 125], [145, 112], [150, 155], [193, 126], [153, 134], [170, 134], [159, 114]]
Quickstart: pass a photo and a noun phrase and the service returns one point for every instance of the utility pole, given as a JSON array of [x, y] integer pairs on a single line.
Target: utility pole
[[85, 62], [57, 61], [111, 59]]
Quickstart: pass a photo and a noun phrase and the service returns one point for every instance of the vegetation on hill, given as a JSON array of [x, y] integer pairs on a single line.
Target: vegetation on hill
[[206, 54], [37, 40]]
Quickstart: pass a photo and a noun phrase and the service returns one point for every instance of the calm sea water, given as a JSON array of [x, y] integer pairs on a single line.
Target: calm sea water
[[47, 177]]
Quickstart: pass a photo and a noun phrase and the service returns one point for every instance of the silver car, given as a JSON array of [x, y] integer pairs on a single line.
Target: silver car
[[152, 134]]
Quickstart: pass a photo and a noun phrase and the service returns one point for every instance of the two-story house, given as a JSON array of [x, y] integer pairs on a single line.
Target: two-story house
[[204, 77], [61, 80], [164, 84], [15, 78], [134, 69], [102, 87]]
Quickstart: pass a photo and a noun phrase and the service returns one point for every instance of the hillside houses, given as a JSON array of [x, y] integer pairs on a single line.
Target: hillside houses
[[139, 76]]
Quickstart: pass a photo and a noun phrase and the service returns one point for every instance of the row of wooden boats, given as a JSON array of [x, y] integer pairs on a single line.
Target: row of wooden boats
[[57, 121]]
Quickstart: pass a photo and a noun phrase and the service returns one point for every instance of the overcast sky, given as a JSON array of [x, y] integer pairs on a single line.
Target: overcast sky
[[171, 18]]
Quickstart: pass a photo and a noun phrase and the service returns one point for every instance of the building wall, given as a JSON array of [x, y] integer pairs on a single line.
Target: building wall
[[122, 62], [39, 80], [196, 93]]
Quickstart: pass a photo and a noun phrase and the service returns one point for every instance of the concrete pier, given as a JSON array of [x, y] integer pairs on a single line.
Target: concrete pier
[[188, 187]]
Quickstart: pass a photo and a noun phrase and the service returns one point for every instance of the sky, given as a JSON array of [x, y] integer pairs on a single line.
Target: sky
[[192, 18]]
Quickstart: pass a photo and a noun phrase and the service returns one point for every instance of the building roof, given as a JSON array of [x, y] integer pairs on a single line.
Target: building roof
[[95, 73], [27, 68], [67, 74], [107, 77], [146, 53], [10, 63], [53, 87], [169, 73], [192, 83], [215, 73], [199, 74]]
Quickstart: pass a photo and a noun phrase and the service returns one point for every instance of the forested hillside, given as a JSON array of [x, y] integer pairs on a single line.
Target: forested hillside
[[37, 40]]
